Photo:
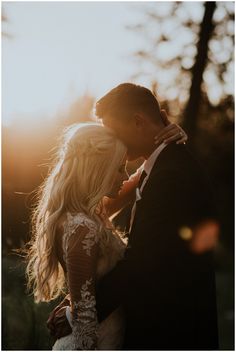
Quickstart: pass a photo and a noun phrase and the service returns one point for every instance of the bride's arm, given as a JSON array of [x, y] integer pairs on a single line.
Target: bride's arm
[[81, 263]]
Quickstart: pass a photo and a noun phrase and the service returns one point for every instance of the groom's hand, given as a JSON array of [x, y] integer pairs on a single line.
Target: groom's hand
[[171, 132], [58, 324]]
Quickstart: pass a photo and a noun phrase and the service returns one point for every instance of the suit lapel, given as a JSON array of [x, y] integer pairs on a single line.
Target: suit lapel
[[162, 159], [165, 158], [157, 167]]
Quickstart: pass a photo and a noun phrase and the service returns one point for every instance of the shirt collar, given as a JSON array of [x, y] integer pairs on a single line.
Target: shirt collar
[[149, 163]]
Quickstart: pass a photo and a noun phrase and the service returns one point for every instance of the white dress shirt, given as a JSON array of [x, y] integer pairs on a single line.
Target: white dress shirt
[[147, 167], [149, 163]]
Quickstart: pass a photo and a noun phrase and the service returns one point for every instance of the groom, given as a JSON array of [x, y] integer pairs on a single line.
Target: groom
[[165, 284]]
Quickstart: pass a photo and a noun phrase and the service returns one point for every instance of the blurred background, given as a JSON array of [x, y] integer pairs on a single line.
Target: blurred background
[[58, 58]]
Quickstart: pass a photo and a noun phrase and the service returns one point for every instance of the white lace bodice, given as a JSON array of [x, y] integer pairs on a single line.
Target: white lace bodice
[[87, 256]]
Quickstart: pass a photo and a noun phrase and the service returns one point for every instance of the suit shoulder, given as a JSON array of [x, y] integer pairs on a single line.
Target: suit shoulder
[[179, 157]]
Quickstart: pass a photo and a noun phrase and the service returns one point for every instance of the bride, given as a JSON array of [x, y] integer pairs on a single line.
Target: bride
[[74, 243]]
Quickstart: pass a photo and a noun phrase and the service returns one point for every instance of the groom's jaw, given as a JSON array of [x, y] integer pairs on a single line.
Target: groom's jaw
[[148, 143], [137, 133]]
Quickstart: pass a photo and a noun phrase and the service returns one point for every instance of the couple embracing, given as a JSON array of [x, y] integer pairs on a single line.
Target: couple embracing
[[148, 290]]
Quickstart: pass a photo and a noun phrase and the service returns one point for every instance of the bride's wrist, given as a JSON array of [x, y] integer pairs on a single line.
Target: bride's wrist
[[69, 316]]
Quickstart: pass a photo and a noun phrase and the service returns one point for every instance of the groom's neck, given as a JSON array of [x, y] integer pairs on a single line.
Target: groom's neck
[[151, 145]]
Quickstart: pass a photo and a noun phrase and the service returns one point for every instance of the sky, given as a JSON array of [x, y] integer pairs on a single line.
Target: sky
[[60, 50]]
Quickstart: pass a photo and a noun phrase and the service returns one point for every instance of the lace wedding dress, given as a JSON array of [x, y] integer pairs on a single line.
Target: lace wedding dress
[[87, 254]]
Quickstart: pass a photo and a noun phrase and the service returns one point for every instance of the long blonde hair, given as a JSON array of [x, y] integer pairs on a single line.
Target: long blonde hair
[[83, 174]]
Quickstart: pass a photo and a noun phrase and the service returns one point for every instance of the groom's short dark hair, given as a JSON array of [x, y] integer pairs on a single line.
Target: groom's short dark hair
[[128, 98]]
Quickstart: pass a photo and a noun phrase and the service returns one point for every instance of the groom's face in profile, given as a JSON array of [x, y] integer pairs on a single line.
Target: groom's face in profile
[[125, 132], [133, 132]]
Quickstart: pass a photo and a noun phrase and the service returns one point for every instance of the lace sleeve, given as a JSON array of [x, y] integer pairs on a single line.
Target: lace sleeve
[[80, 255]]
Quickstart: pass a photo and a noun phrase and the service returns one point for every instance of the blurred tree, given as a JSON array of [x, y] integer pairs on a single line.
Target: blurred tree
[[187, 44], [192, 107]]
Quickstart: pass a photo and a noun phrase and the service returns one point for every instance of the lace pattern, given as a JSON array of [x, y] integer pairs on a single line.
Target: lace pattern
[[70, 227], [85, 324], [79, 242]]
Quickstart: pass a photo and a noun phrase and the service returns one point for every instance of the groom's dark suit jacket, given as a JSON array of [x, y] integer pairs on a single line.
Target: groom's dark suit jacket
[[167, 290]]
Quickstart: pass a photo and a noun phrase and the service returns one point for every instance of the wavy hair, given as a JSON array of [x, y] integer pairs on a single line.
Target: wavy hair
[[83, 173]]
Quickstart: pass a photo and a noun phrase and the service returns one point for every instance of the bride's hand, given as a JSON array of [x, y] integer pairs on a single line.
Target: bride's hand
[[58, 324], [172, 132]]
